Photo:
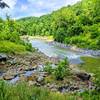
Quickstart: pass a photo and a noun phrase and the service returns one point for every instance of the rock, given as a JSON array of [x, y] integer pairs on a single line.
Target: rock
[[74, 88], [38, 84], [54, 90], [12, 62], [33, 77], [30, 69], [52, 86], [68, 88], [83, 76], [63, 88], [8, 77], [1, 73], [40, 79], [22, 78], [44, 74], [3, 57], [32, 83], [55, 60]]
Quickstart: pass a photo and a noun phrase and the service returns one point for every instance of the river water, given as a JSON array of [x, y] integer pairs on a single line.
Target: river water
[[56, 51]]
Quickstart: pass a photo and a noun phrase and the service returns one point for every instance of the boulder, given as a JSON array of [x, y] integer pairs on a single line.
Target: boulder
[[1, 73], [3, 57], [40, 79], [32, 83], [83, 76], [8, 77], [63, 88]]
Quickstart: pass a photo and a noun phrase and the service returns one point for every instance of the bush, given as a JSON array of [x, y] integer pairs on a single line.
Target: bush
[[29, 47], [61, 70]]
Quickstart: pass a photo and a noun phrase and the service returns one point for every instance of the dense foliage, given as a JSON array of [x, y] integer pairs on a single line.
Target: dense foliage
[[75, 25], [10, 41]]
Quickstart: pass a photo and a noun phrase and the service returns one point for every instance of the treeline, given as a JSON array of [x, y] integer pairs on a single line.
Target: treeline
[[75, 25]]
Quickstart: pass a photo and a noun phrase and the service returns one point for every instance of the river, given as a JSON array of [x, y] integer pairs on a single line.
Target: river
[[56, 51]]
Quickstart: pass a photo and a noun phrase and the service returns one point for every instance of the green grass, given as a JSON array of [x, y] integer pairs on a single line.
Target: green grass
[[91, 65], [11, 47], [23, 91]]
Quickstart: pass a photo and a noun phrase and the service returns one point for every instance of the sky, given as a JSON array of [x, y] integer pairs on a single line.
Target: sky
[[24, 8]]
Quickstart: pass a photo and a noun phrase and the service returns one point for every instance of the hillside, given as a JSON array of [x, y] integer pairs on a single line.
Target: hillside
[[75, 25]]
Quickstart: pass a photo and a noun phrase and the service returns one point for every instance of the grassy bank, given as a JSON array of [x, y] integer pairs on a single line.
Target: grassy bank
[[14, 48], [91, 65], [24, 92]]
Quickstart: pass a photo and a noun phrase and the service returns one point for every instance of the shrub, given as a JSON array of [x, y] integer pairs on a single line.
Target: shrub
[[61, 70], [29, 47]]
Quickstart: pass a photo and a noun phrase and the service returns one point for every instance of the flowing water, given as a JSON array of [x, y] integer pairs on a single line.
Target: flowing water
[[58, 52]]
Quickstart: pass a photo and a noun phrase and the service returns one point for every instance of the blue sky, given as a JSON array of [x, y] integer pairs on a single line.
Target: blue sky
[[23, 8]]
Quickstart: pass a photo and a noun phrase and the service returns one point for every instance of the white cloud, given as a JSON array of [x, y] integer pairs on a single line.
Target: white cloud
[[71, 2], [9, 11], [41, 7], [24, 7], [21, 8], [40, 3], [51, 4]]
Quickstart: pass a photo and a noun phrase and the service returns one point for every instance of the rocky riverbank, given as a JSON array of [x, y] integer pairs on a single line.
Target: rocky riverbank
[[16, 64], [29, 68], [76, 49]]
